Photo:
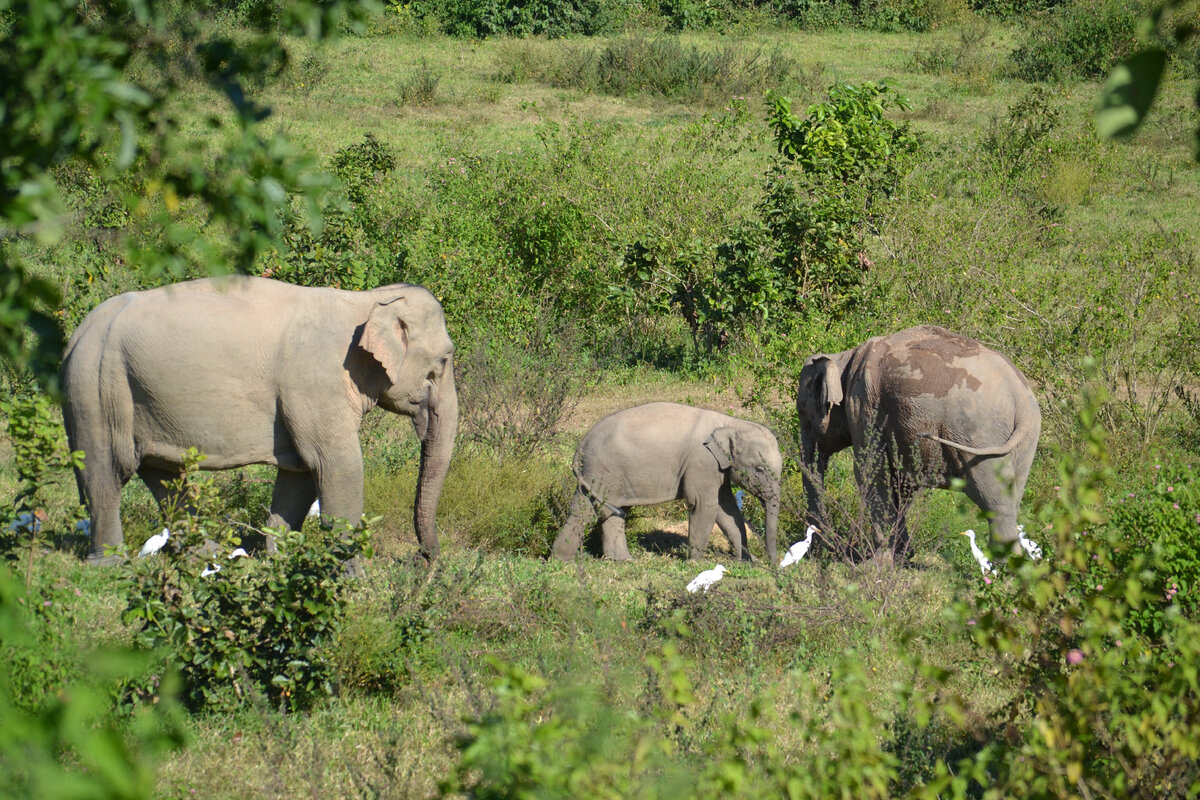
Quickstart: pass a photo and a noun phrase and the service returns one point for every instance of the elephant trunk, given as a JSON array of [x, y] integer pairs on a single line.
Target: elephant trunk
[[436, 449], [814, 482], [771, 534]]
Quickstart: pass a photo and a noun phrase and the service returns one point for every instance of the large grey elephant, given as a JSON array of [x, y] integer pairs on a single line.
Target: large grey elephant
[[255, 371], [921, 407], [659, 452]]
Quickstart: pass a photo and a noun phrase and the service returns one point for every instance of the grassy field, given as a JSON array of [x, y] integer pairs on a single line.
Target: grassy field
[[1087, 247]]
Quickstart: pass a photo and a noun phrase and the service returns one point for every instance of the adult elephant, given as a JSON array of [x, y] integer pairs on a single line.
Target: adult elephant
[[659, 452], [921, 408], [255, 371]]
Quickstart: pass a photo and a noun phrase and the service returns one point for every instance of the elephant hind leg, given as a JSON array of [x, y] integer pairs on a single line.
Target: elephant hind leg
[[993, 487], [570, 536], [158, 482], [101, 491], [292, 496], [615, 546]]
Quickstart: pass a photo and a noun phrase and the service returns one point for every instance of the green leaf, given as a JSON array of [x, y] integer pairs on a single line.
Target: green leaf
[[1128, 93]]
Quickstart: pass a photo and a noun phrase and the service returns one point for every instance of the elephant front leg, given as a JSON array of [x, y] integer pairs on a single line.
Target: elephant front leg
[[732, 523], [877, 495], [615, 545], [701, 518]]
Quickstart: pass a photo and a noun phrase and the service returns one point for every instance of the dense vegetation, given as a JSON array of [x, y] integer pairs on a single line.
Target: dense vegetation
[[616, 201]]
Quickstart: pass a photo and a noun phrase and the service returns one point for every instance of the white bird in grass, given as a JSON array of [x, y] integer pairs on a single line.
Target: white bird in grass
[[740, 497], [238, 553], [155, 543], [1031, 548], [84, 526], [799, 549], [985, 565], [213, 570], [315, 509], [706, 579]]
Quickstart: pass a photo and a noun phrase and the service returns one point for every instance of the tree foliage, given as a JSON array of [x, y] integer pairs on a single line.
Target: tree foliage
[[93, 83]]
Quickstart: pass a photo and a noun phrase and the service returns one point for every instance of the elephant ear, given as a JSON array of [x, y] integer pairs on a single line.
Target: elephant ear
[[825, 391], [385, 335], [720, 444]]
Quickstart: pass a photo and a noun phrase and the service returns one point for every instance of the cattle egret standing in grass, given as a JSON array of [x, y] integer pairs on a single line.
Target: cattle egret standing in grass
[[1031, 548], [798, 550], [740, 497], [213, 570], [985, 565], [706, 579], [84, 526], [315, 509], [238, 553], [155, 543]]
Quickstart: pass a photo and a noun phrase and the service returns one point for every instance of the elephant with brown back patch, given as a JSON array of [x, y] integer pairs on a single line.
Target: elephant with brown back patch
[[255, 371], [921, 408], [659, 452]]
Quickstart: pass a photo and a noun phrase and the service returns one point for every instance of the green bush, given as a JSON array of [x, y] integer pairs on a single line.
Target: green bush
[[64, 742], [1081, 38], [244, 630], [836, 165], [472, 18], [1160, 517]]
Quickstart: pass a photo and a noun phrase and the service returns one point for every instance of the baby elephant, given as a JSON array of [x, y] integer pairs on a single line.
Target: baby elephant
[[668, 451]]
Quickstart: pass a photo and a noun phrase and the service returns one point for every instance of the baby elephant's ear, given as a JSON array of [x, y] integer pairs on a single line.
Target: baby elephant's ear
[[720, 444]]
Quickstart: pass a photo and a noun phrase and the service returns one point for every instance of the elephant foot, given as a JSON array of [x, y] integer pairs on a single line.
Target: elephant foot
[[96, 560], [354, 569], [619, 557]]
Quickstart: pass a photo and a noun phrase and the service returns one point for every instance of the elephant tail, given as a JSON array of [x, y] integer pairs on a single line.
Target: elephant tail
[[599, 503], [1018, 435]]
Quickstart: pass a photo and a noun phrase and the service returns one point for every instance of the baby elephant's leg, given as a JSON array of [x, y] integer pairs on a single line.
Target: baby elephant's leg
[[615, 546]]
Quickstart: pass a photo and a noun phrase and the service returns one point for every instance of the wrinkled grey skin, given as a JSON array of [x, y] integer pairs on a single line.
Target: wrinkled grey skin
[[659, 452], [920, 407], [255, 371]]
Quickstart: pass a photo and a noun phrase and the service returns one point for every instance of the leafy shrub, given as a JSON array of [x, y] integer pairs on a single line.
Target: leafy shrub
[[1013, 140], [1007, 9], [40, 449], [348, 251], [1083, 38], [1160, 518], [835, 166], [516, 395], [247, 630], [472, 18], [910, 15], [62, 743]]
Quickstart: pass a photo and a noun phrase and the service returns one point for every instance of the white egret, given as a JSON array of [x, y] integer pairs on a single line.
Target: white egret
[[1031, 548], [315, 509], [238, 553], [985, 565], [84, 526], [799, 549], [155, 543], [740, 497], [213, 570], [706, 579]]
